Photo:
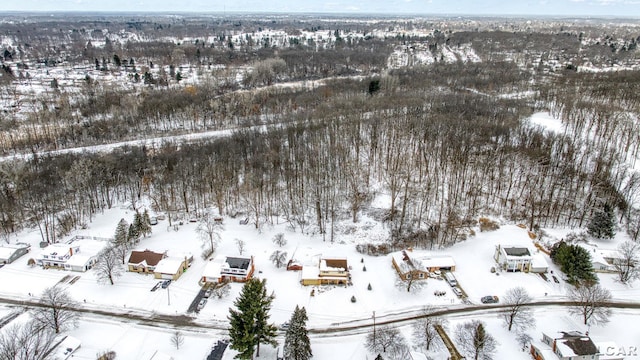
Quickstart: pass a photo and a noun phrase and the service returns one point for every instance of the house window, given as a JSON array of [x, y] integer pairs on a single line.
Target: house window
[[421, 276], [408, 276]]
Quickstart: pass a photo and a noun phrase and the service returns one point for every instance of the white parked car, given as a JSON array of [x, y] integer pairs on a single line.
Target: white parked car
[[201, 304]]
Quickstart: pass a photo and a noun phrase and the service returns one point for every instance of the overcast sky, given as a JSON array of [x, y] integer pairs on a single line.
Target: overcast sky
[[626, 8]]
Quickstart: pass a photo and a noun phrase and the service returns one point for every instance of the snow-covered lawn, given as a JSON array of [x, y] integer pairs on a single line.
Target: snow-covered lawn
[[329, 307]]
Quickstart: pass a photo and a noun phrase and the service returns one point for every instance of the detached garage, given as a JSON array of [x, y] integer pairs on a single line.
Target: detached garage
[[170, 268]]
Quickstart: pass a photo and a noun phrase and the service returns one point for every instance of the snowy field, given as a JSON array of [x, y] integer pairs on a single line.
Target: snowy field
[[331, 305]]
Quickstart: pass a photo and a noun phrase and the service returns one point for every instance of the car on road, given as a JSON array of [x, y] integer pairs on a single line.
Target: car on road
[[166, 283], [456, 290], [201, 304], [489, 299]]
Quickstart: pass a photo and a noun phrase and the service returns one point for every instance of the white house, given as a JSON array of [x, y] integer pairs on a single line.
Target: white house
[[604, 260], [572, 345], [73, 255], [11, 252], [228, 268], [512, 258]]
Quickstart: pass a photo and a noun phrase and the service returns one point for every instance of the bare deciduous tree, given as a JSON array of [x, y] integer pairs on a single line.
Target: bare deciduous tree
[[221, 290], [628, 265], [278, 258], [177, 339], [209, 230], [108, 266], [388, 341], [26, 341], [474, 341], [56, 312], [590, 304], [516, 311], [279, 240], [424, 331], [241, 245]]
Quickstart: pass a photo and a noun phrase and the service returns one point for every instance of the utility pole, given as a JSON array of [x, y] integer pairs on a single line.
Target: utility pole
[[374, 327], [168, 297]]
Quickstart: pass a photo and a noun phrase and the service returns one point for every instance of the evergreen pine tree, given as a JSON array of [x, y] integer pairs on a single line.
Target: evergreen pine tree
[[296, 342], [602, 224], [249, 321], [132, 235], [574, 261], [379, 357], [145, 225], [122, 232]]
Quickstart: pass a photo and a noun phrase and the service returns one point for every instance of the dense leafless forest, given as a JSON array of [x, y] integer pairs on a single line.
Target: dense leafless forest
[[312, 119]]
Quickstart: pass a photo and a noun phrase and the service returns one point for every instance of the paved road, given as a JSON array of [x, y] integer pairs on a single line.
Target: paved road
[[355, 326]]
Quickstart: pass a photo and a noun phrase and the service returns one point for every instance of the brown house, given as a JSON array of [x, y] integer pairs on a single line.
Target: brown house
[[328, 272], [144, 261]]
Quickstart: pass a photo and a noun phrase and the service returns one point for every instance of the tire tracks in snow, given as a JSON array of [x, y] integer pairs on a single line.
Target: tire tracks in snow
[[353, 327]]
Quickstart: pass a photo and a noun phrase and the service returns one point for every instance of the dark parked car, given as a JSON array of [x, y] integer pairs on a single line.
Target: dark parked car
[[166, 283], [489, 299]]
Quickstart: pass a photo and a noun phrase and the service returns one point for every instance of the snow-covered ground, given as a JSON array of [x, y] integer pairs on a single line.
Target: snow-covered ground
[[329, 308]]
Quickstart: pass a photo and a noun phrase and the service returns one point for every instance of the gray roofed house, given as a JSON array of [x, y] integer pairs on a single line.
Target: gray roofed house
[[228, 268], [512, 258], [11, 252]]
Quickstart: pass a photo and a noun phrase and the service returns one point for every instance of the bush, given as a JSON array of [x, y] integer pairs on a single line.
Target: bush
[[372, 249], [107, 355], [353, 299], [487, 224]]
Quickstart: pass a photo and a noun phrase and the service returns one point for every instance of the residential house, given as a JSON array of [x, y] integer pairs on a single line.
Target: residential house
[[11, 252], [567, 346], [539, 264], [511, 258], [408, 268], [76, 254], [328, 271], [228, 268], [604, 260], [57, 254], [407, 264], [144, 261], [171, 268]]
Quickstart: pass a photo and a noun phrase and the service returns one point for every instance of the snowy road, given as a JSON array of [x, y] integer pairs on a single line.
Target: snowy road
[[350, 328]]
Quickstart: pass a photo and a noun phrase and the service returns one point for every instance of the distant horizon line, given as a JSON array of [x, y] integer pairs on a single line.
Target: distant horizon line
[[315, 13]]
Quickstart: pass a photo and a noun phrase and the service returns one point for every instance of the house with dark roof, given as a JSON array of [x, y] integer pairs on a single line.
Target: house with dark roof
[[145, 261], [512, 258], [572, 345], [228, 268]]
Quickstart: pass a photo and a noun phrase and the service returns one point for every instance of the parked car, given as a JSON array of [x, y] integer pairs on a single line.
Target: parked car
[[284, 326], [166, 283], [490, 299], [456, 290], [153, 220], [201, 304], [208, 293]]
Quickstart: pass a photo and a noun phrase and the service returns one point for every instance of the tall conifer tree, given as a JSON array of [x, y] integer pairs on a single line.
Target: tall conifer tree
[[296, 342]]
